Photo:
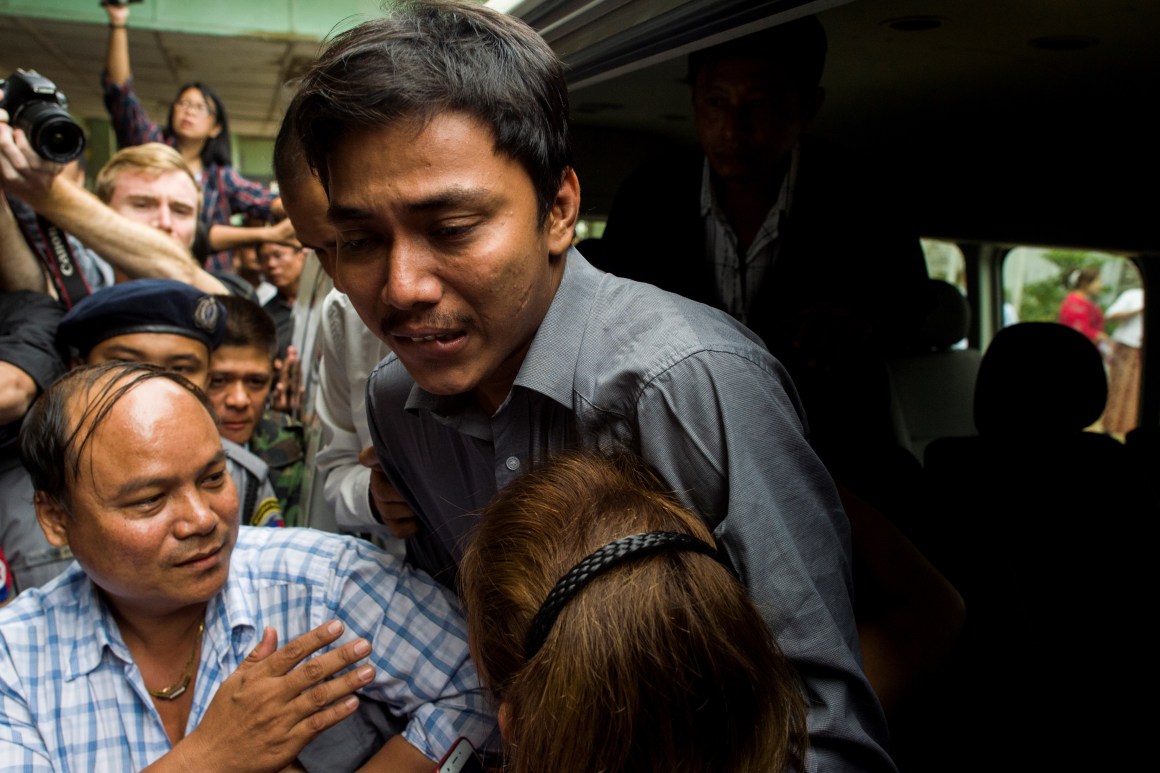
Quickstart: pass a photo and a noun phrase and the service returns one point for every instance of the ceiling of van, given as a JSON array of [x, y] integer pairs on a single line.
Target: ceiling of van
[[1032, 81], [868, 58]]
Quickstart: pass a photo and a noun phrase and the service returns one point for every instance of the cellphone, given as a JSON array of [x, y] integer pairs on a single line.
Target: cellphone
[[461, 758]]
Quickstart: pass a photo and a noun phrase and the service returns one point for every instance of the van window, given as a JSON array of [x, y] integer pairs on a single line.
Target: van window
[[945, 261], [1099, 294]]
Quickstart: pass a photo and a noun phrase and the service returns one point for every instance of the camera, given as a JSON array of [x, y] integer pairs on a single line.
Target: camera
[[39, 108]]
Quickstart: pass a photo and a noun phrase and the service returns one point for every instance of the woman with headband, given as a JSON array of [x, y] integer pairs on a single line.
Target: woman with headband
[[614, 637]]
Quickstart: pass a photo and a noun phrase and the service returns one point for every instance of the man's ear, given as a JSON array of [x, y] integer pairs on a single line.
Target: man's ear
[[562, 217], [53, 519]]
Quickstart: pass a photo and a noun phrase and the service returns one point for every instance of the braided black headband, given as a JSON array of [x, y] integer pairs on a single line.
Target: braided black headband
[[612, 554]]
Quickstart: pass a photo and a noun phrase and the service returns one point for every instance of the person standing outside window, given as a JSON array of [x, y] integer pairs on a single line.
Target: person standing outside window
[[1079, 309]]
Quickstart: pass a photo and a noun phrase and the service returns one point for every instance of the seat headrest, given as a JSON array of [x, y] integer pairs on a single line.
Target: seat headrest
[[948, 320], [1039, 377]]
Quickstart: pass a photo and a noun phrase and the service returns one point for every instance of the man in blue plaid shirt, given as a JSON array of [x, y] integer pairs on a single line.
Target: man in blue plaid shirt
[[158, 647]]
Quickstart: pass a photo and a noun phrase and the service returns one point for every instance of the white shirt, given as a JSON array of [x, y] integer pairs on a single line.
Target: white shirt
[[350, 351], [738, 278], [1130, 331]]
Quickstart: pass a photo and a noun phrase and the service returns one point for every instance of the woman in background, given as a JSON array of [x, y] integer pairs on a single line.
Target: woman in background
[[1079, 309], [199, 129], [614, 638]]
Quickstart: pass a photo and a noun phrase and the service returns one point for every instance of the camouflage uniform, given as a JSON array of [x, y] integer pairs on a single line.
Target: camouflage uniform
[[278, 440], [257, 504]]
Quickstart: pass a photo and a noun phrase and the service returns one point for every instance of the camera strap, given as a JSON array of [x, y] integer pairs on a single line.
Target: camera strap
[[52, 247]]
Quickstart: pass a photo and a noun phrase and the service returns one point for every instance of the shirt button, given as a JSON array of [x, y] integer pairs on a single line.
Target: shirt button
[[512, 463]]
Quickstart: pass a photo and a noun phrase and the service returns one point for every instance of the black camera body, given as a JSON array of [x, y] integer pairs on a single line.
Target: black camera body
[[36, 106]]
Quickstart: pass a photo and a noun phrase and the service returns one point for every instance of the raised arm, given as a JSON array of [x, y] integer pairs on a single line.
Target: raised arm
[[117, 53], [229, 237], [19, 269]]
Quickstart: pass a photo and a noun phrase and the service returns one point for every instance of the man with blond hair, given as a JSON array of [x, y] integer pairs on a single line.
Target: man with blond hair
[[142, 220]]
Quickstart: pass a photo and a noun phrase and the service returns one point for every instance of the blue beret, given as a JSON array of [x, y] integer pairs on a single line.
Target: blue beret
[[143, 306]]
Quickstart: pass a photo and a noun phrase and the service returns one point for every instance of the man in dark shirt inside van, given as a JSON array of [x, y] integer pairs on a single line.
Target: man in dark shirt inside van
[[791, 236], [440, 132]]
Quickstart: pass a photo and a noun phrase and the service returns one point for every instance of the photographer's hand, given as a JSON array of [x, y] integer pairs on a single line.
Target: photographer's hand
[[19, 268], [118, 14], [23, 173]]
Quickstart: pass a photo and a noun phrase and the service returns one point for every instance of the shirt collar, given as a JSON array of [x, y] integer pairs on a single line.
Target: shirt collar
[[95, 629], [707, 199], [550, 364], [234, 611]]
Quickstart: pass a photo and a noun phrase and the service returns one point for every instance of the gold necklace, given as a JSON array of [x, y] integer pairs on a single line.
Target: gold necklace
[[178, 688]]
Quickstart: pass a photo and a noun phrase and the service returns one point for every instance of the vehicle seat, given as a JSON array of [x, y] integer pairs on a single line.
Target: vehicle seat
[[932, 386], [1143, 443], [1047, 533]]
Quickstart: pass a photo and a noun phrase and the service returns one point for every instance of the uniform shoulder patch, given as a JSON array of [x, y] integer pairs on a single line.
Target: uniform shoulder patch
[[268, 513]]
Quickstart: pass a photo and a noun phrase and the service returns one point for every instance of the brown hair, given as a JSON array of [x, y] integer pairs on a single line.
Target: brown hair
[[798, 46], [660, 663], [152, 158], [249, 325], [1083, 278]]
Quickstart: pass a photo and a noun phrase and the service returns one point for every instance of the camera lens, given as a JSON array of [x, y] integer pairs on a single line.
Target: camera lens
[[51, 131]]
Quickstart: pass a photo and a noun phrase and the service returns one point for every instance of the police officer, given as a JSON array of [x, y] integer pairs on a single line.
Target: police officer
[[176, 326]]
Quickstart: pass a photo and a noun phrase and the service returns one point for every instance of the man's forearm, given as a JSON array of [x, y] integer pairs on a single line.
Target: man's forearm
[[17, 391], [19, 269], [135, 249], [229, 237], [117, 53]]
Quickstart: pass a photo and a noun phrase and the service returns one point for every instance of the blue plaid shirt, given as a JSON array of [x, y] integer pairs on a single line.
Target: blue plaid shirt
[[223, 190], [71, 697]]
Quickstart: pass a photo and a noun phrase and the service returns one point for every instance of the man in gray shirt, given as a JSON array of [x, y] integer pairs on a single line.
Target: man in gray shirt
[[440, 133]]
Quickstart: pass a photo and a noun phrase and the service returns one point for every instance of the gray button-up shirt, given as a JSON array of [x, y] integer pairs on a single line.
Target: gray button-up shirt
[[617, 363]]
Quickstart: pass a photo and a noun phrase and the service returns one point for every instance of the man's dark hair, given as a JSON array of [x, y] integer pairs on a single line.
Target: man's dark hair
[[216, 149], [290, 165], [52, 438], [430, 57], [249, 325], [799, 46]]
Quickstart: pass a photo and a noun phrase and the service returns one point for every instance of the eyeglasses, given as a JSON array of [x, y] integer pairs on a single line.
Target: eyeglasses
[[193, 108]]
